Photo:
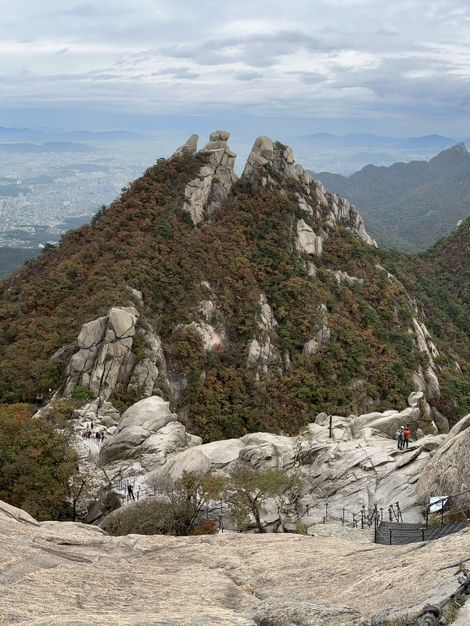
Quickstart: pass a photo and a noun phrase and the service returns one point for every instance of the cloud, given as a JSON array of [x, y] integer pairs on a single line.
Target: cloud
[[180, 73], [318, 58], [247, 75]]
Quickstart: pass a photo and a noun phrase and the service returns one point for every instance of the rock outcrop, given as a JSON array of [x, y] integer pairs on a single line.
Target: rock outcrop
[[321, 334], [345, 461], [188, 148], [448, 473], [272, 163], [215, 179], [69, 573], [104, 356], [106, 361], [262, 350], [147, 434]]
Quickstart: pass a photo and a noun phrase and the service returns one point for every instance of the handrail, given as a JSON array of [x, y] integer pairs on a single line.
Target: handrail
[[432, 614]]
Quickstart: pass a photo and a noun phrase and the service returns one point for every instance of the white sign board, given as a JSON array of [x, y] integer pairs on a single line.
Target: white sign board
[[437, 503]]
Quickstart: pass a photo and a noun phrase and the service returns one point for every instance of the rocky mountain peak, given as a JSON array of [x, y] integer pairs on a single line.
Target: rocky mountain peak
[[188, 148], [452, 158], [262, 307], [210, 188], [460, 147]]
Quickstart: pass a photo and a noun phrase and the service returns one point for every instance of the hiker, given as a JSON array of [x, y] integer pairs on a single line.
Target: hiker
[[400, 437], [130, 491], [406, 436]]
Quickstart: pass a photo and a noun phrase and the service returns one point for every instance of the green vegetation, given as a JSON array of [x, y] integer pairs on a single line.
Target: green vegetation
[[184, 507], [247, 490], [409, 206], [440, 280], [147, 241], [38, 469], [178, 510]]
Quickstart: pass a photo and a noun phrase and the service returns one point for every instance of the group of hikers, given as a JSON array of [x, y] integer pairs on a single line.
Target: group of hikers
[[402, 436], [99, 435]]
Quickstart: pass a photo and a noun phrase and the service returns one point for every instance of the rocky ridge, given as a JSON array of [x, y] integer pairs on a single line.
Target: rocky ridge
[[106, 360], [344, 462]]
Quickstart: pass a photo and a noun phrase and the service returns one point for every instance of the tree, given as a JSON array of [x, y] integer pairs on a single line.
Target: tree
[[247, 490], [177, 509], [37, 466], [189, 496]]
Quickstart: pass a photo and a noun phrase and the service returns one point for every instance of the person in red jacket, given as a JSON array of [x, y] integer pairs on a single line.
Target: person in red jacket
[[407, 435]]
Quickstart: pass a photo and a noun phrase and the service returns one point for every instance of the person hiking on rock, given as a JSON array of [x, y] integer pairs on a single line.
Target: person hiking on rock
[[400, 437], [130, 491], [406, 436]]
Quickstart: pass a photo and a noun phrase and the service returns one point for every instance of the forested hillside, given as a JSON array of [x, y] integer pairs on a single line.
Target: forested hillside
[[271, 304], [409, 206]]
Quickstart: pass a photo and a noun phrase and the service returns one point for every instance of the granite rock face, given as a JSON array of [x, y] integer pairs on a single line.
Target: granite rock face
[[106, 361], [448, 473], [69, 573], [188, 148], [359, 465], [262, 349], [321, 335], [273, 163], [211, 187], [104, 356], [148, 432], [281, 612]]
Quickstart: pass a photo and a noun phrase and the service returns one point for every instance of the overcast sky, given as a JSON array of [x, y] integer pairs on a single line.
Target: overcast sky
[[395, 67]]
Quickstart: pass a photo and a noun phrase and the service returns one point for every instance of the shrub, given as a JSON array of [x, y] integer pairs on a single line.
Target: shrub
[[82, 394], [178, 509], [247, 490], [37, 466]]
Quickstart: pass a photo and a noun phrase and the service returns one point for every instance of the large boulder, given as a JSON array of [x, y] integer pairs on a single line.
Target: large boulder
[[104, 358], [12, 512], [149, 432], [386, 423], [448, 473], [217, 455]]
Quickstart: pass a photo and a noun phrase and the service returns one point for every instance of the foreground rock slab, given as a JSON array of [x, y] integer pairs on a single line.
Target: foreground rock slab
[[66, 573]]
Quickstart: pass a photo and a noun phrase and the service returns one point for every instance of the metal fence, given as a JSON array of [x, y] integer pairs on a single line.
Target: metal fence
[[390, 534]]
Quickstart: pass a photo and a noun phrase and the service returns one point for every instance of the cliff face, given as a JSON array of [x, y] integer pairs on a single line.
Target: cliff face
[[249, 304]]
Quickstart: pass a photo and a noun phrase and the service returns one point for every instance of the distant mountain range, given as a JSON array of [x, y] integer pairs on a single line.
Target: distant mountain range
[[364, 140], [50, 146], [29, 134], [409, 206]]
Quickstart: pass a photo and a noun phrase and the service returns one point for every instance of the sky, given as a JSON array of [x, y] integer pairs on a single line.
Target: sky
[[398, 67]]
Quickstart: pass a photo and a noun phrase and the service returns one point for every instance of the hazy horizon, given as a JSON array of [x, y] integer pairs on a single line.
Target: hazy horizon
[[255, 68]]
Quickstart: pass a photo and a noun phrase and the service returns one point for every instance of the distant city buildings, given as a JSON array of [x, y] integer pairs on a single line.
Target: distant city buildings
[[42, 195]]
